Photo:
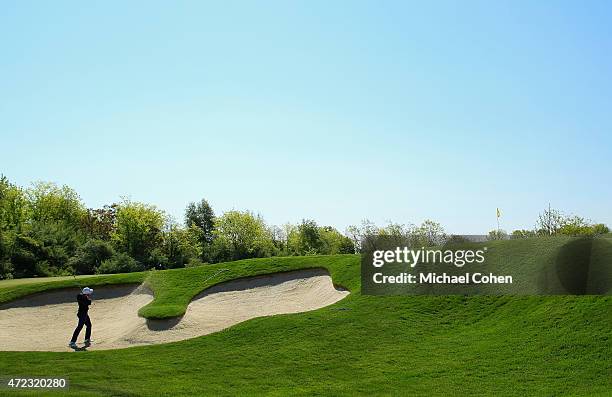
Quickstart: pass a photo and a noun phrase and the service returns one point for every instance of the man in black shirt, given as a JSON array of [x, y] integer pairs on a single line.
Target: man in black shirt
[[84, 300]]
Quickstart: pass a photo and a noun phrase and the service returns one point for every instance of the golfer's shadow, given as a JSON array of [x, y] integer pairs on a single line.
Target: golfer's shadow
[[79, 348]]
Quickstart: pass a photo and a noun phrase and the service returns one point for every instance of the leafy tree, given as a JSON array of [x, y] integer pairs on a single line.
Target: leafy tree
[[6, 267], [13, 206], [138, 229], [100, 223], [430, 233], [346, 246], [202, 216], [89, 256], [13, 221], [120, 263], [179, 246], [600, 228], [334, 242], [575, 226], [309, 238], [27, 253], [52, 230], [279, 239], [50, 203], [59, 242], [292, 244], [6, 270], [240, 235], [549, 222], [358, 233], [401, 235]]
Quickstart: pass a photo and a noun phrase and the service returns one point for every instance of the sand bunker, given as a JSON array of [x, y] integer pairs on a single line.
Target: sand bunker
[[45, 321]]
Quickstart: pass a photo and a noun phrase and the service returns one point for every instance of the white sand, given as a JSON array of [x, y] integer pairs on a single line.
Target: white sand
[[44, 322]]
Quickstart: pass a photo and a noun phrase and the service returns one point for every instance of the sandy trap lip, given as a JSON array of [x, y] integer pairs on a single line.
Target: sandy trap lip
[[45, 321]]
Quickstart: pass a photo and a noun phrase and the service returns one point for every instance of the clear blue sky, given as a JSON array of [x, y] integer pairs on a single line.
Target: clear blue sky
[[331, 110]]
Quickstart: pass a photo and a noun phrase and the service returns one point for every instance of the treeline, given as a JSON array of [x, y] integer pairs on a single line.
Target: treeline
[[45, 230], [552, 222]]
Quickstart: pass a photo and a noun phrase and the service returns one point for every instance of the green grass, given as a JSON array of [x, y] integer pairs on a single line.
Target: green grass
[[12, 289], [395, 345], [175, 288], [539, 266]]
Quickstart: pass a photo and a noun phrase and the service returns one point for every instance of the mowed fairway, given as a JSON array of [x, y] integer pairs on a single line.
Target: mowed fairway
[[401, 345]]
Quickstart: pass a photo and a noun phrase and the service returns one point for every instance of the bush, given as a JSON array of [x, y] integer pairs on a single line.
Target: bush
[[195, 262], [120, 263], [577, 226], [497, 235], [45, 270], [58, 242], [27, 252], [346, 246], [600, 228], [522, 234], [90, 256], [158, 260], [6, 270]]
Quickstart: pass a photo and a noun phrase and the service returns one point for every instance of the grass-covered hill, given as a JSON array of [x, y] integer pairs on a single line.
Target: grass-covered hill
[[393, 345], [558, 265]]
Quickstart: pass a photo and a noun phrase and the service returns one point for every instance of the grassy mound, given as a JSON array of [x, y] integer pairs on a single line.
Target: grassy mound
[[401, 345], [539, 266]]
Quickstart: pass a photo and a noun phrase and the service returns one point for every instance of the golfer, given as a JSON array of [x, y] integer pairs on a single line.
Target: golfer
[[84, 300]]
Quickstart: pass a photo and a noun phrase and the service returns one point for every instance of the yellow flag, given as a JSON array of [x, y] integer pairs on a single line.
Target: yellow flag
[[498, 213]]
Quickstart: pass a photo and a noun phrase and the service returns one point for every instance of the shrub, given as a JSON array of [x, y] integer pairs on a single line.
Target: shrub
[[497, 235], [575, 226], [90, 256], [195, 262], [120, 263], [27, 252], [600, 228], [522, 233], [6, 270], [158, 260]]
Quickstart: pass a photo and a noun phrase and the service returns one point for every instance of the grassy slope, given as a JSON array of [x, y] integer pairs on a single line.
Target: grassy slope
[[174, 289], [539, 266], [507, 345], [12, 289]]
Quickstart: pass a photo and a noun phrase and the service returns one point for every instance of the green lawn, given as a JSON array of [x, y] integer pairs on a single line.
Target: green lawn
[[398, 345]]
